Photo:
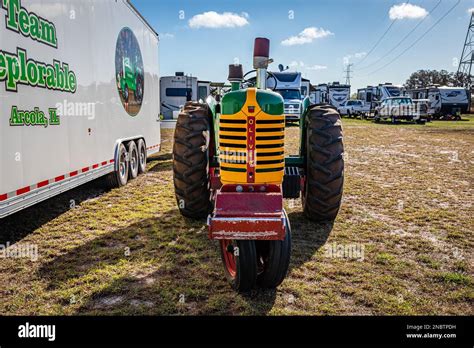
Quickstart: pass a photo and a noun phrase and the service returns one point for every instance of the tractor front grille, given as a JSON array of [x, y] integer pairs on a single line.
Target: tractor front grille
[[242, 160]]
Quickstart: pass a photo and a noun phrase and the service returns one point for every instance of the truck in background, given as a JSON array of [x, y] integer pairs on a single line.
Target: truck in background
[[444, 102], [354, 108], [176, 90], [289, 86], [76, 104]]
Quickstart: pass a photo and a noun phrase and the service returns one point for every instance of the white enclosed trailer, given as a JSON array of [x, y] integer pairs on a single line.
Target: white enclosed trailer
[[79, 90]]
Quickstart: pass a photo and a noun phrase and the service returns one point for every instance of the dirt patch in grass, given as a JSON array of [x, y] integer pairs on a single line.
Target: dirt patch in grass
[[402, 243]]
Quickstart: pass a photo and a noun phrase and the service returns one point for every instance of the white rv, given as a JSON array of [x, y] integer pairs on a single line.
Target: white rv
[[321, 94], [443, 101], [78, 97], [373, 95], [305, 88], [338, 94], [176, 90], [334, 94], [289, 85]]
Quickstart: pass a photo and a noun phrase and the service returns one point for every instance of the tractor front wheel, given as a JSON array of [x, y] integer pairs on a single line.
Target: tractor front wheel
[[273, 258], [322, 193], [191, 161], [240, 263]]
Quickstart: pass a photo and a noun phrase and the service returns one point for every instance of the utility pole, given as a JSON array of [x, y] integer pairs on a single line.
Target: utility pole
[[348, 72], [467, 56]]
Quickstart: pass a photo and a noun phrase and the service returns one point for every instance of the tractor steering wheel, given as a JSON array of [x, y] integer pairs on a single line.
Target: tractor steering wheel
[[253, 84]]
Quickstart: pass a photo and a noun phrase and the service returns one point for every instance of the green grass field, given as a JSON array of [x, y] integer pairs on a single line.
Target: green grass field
[[407, 210]]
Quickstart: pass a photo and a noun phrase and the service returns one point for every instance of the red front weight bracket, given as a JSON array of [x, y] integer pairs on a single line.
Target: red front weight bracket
[[254, 213]]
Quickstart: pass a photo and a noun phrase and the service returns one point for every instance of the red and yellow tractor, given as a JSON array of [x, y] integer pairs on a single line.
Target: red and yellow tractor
[[229, 166]]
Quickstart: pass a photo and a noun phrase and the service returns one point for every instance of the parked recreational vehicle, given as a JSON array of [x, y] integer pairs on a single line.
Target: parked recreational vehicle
[[176, 90], [321, 94], [338, 94], [333, 93], [289, 85], [305, 87], [78, 102], [374, 95], [444, 101]]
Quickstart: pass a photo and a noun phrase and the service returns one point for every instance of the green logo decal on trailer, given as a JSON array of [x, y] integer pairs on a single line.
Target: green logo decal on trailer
[[29, 24], [18, 69], [129, 71]]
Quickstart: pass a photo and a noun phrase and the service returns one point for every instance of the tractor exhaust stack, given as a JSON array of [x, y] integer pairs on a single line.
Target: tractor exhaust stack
[[261, 59]]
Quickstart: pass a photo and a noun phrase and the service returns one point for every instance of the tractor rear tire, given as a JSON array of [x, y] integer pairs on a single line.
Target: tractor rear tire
[[191, 161], [322, 194], [274, 259]]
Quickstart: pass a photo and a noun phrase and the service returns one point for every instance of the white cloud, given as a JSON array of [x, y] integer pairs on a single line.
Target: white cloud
[[306, 36], [166, 36], [406, 10], [359, 55], [216, 20], [301, 65], [471, 10], [316, 67]]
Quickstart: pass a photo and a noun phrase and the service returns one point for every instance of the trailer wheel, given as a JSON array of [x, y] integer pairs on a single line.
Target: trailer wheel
[[322, 193], [132, 160], [119, 177], [141, 156], [273, 259], [126, 94], [240, 263], [139, 90], [191, 161]]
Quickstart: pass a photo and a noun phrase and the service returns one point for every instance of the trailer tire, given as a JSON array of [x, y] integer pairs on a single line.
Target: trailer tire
[[138, 90], [240, 265], [141, 156], [132, 160], [126, 94], [322, 193], [273, 258], [191, 161], [119, 177]]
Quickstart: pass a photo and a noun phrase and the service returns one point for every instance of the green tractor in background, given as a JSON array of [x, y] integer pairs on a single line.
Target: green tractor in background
[[131, 79], [229, 166]]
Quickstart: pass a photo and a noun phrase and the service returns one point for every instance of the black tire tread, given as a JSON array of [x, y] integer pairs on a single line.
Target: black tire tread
[[190, 161], [325, 164]]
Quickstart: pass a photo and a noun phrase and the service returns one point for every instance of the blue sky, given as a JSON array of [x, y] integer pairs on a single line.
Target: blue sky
[[321, 36]]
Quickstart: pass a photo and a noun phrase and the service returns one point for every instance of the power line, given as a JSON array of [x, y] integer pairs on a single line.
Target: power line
[[418, 40], [378, 42], [380, 39], [402, 40]]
